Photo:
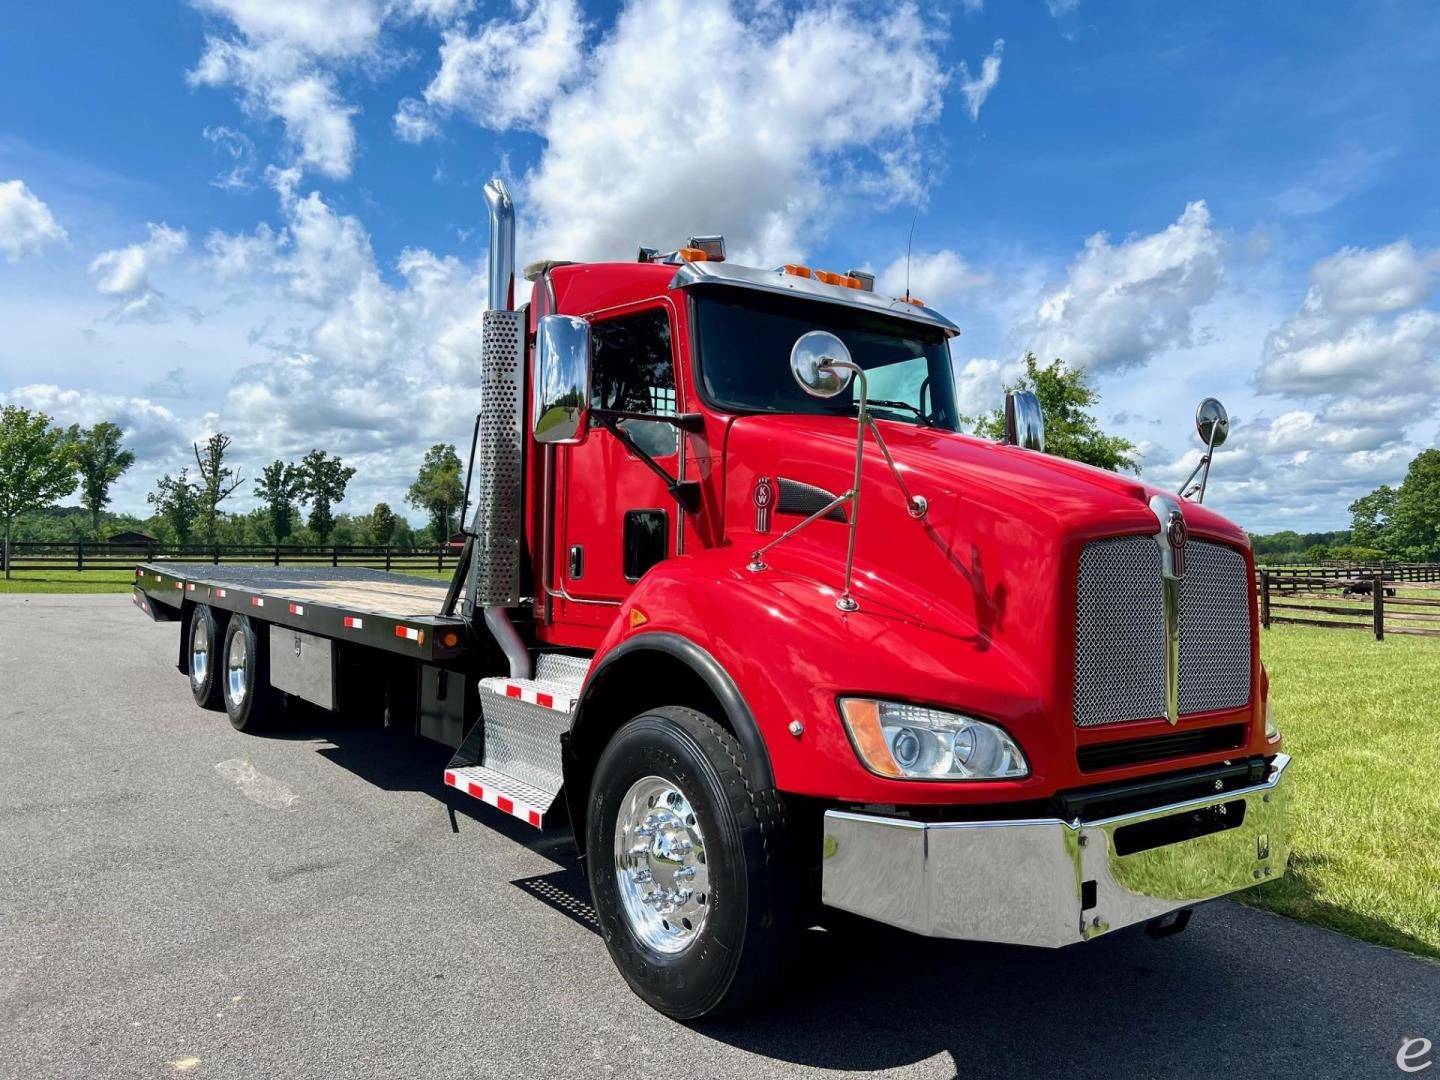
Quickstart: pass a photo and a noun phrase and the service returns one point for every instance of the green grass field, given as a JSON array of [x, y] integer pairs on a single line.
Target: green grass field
[[1362, 719], [109, 581]]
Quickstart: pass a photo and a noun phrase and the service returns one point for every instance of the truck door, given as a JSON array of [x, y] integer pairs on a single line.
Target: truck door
[[618, 519]]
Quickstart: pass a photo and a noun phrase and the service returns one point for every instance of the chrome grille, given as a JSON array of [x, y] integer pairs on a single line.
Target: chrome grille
[[1120, 633]]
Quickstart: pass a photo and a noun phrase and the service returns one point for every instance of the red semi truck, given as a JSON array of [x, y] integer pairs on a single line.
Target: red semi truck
[[1018, 699]]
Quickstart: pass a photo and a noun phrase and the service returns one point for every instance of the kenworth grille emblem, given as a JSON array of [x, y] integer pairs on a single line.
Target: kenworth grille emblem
[[764, 499], [1172, 538]]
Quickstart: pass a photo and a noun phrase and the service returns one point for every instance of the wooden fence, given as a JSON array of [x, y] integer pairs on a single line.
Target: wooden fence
[[1407, 572], [1374, 603], [90, 555]]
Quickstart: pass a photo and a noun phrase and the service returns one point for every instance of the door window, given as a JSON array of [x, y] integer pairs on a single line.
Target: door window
[[633, 373]]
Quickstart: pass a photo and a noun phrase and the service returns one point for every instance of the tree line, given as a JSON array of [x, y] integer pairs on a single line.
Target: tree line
[[42, 463]]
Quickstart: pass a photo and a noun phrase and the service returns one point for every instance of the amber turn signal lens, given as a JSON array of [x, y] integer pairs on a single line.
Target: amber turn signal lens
[[693, 255], [862, 720], [796, 269], [450, 639]]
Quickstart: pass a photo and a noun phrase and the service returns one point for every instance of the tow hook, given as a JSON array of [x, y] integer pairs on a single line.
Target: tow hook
[[1169, 925]]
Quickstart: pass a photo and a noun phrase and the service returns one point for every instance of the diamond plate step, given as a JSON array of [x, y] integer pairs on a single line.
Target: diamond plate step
[[559, 668], [505, 793]]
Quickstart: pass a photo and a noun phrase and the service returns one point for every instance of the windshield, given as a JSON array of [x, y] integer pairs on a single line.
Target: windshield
[[743, 342]]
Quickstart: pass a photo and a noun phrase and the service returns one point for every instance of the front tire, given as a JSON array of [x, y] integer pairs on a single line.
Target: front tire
[[249, 700], [689, 870], [205, 646]]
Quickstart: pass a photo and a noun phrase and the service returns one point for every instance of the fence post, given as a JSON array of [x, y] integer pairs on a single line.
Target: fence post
[[440, 560], [1379, 606], [335, 555], [1265, 599], [277, 553], [79, 554]]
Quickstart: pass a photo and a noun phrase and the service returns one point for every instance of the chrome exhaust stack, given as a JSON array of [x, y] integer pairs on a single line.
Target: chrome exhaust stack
[[494, 571]]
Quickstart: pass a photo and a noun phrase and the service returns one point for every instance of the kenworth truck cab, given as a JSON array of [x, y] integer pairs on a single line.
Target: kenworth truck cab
[[744, 605]]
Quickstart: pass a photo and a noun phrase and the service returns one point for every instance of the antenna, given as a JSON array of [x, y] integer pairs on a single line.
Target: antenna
[[910, 243]]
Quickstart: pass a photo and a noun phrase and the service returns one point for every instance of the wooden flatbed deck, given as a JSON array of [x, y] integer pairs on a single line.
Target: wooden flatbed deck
[[396, 612]]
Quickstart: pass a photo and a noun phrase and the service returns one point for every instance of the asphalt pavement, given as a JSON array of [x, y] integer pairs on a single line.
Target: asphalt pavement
[[177, 898]]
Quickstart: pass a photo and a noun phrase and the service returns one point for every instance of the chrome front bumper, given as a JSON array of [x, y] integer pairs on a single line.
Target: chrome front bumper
[[1050, 882]]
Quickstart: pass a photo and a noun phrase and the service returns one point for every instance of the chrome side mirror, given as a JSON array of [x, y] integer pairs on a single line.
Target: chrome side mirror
[[1212, 422], [815, 362], [1024, 422], [561, 397]]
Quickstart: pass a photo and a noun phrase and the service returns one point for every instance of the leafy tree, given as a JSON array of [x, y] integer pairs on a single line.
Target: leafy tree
[[217, 482], [437, 489], [177, 503], [280, 487], [1414, 526], [37, 466], [1370, 516], [1070, 430], [325, 478], [101, 461], [382, 523]]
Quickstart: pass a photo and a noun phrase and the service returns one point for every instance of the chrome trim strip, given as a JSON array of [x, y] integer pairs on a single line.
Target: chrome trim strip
[[1172, 569], [775, 281], [1049, 882]]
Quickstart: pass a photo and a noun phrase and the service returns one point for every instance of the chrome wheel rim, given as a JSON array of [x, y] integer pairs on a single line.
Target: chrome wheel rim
[[199, 650], [660, 865], [235, 663]]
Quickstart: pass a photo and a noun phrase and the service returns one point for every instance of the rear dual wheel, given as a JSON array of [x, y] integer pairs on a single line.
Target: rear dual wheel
[[205, 644], [250, 701]]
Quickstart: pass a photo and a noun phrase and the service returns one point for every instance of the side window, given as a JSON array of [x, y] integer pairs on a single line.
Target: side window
[[634, 373]]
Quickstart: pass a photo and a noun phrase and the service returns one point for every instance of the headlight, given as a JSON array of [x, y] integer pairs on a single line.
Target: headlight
[[916, 743], [1271, 731]]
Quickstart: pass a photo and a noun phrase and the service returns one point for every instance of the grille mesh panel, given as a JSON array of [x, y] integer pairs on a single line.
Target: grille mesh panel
[[1214, 630], [1120, 631]]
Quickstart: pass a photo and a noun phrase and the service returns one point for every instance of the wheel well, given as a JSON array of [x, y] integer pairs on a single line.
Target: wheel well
[[620, 691]]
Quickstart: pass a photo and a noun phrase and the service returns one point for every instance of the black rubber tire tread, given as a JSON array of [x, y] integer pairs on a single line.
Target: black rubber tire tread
[[261, 704], [744, 826], [208, 692]]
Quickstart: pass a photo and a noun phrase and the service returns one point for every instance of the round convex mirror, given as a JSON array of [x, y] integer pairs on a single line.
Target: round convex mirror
[[808, 363], [1212, 422]]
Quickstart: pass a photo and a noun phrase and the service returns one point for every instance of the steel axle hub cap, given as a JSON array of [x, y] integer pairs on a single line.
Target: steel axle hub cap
[[660, 867], [235, 662]]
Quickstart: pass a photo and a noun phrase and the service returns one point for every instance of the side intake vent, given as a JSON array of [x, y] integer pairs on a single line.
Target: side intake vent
[[495, 570]]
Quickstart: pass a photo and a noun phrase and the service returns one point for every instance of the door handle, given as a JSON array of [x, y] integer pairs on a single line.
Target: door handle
[[577, 562]]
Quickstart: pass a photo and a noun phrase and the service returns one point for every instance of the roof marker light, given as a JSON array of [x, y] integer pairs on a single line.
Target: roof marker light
[[795, 269]]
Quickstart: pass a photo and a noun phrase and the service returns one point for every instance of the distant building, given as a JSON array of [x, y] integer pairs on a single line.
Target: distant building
[[456, 542], [133, 542]]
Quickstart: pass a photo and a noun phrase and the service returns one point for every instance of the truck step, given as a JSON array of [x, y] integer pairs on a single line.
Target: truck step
[[560, 668], [546, 693], [505, 793]]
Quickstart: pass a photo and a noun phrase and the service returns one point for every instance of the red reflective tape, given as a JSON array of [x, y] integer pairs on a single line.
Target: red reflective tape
[[449, 778], [512, 690], [190, 586], [545, 700], [477, 791], [220, 592], [257, 601], [353, 622], [534, 819], [297, 609], [505, 804], [180, 585]]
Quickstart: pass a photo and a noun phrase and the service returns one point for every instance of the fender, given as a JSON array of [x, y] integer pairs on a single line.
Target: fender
[[737, 711]]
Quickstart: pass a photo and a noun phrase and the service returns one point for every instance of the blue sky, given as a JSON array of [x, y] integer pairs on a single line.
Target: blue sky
[[265, 218]]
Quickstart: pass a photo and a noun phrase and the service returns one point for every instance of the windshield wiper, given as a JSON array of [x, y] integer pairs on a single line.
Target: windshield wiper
[[884, 404]]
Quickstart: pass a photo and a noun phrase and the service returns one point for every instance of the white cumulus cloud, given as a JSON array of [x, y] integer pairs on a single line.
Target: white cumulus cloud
[[124, 273], [1122, 304], [26, 223]]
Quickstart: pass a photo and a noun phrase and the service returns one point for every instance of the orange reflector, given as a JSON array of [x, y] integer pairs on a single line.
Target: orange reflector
[[693, 255], [796, 269], [450, 639], [829, 277], [913, 300], [638, 618]]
